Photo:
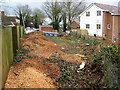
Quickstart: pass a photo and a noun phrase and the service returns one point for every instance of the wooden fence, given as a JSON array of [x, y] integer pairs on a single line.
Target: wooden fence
[[10, 42], [0, 57]]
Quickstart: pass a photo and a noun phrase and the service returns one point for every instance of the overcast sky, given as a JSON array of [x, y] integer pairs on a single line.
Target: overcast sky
[[38, 3]]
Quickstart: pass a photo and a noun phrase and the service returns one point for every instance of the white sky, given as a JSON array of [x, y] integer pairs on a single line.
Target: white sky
[[27, 1], [38, 3]]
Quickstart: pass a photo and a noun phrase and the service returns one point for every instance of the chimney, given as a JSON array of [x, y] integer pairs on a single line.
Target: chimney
[[2, 15]]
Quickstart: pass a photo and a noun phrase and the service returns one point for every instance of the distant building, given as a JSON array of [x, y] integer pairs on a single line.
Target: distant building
[[8, 20], [46, 28], [75, 25], [101, 20], [111, 27]]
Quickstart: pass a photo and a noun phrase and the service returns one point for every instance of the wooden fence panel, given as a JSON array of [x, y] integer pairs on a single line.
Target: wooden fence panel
[[9, 43], [0, 58], [7, 52]]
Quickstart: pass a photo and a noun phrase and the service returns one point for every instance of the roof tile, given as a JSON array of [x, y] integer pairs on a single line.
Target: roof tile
[[112, 9]]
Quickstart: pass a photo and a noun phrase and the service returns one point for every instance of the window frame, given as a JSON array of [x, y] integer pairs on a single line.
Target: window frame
[[98, 26], [87, 26], [99, 13], [88, 13], [108, 26]]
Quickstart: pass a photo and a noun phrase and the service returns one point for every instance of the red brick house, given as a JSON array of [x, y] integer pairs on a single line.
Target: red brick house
[[111, 25]]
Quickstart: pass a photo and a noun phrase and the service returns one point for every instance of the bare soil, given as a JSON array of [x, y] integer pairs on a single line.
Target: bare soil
[[53, 67], [31, 73]]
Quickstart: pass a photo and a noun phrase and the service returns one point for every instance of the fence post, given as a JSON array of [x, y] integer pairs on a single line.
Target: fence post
[[14, 39], [22, 31], [18, 36]]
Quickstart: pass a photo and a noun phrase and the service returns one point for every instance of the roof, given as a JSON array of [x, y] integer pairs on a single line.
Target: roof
[[7, 20], [74, 25], [109, 8]]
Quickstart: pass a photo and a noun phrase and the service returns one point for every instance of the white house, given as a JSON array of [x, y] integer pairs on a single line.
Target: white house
[[92, 18]]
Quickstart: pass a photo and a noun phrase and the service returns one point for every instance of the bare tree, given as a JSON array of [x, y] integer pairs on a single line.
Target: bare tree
[[64, 16], [38, 17], [73, 10], [23, 13], [65, 11], [53, 11]]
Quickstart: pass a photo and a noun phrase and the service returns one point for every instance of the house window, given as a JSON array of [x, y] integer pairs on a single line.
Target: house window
[[98, 13], [108, 26], [87, 26], [98, 26], [87, 13]]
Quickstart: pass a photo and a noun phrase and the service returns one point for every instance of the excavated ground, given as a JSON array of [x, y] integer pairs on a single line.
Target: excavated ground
[[48, 66]]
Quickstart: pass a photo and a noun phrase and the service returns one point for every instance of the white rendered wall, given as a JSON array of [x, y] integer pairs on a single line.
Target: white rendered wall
[[93, 19]]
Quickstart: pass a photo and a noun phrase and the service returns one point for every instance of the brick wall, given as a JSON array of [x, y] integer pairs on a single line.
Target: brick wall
[[46, 28], [112, 34], [107, 19], [116, 29]]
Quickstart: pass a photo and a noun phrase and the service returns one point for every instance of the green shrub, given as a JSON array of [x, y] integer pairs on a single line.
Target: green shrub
[[67, 75], [110, 62], [21, 54], [76, 35], [92, 42]]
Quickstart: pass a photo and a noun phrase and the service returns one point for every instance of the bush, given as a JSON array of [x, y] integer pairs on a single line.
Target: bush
[[76, 35], [110, 62], [67, 75], [21, 54], [92, 42]]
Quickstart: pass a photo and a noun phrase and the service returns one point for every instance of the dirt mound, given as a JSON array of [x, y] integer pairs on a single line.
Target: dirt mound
[[53, 72], [51, 50], [46, 51], [73, 58], [39, 45], [31, 73], [43, 48], [33, 41]]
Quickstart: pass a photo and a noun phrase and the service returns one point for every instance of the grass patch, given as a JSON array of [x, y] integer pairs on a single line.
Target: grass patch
[[58, 40]]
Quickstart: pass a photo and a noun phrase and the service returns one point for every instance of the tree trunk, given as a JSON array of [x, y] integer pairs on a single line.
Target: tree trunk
[[64, 22]]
